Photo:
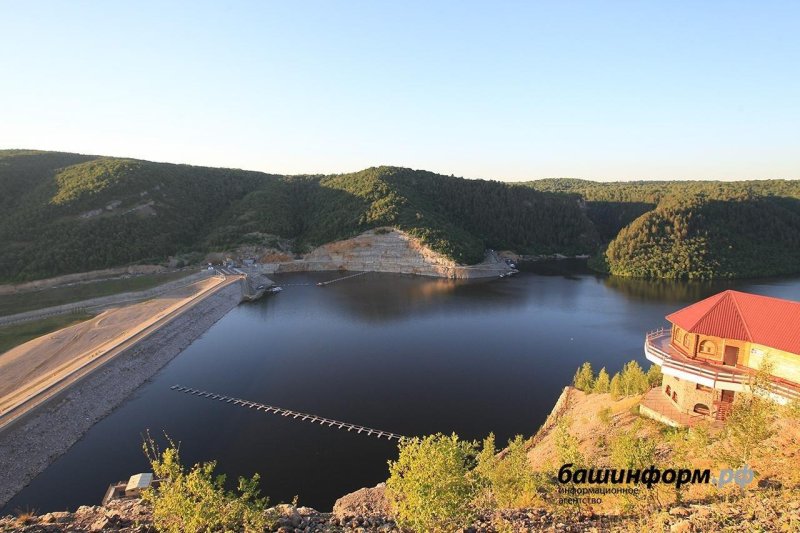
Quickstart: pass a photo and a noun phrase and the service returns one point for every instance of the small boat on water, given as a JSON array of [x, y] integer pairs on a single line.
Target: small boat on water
[[275, 289]]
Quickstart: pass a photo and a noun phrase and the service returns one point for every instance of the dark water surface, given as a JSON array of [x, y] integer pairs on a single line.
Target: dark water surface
[[405, 354]]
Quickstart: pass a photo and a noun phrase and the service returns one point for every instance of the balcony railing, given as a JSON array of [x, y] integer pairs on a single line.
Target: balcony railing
[[742, 377]]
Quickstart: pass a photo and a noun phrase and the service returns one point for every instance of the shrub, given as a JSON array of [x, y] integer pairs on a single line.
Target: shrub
[[749, 423], [510, 480], [629, 450], [430, 486], [567, 444], [751, 419], [605, 415], [793, 409], [197, 500], [584, 378], [633, 451]]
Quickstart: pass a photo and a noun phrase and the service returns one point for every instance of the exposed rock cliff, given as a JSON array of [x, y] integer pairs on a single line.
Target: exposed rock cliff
[[390, 250]]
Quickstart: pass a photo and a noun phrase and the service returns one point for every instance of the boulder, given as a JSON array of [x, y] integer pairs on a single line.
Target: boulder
[[100, 524], [288, 516], [681, 526], [367, 502], [58, 517]]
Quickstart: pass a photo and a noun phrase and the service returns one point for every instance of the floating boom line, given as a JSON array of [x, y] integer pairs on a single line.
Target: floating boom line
[[362, 430], [323, 283]]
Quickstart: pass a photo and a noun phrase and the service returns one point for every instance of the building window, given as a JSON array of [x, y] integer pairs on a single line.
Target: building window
[[708, 348], [701, 409], [686, 340], [703, 388], [674, 396], [668, 390]]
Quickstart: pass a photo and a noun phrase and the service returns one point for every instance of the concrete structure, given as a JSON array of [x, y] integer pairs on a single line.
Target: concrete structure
[[716, 347], [137, 483], [131, 489]]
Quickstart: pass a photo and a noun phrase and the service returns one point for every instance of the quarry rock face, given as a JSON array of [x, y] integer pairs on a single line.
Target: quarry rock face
[[389, 250]]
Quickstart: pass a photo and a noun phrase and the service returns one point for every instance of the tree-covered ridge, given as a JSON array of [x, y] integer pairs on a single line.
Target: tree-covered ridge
[[67, 213], [652, 192], [70, 213], [704, 238], [457, 217], [694, 229]]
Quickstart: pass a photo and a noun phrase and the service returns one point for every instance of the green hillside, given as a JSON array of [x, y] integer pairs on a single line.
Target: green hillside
[[66, 213], [693, 230], [70, 213], [457, 217]]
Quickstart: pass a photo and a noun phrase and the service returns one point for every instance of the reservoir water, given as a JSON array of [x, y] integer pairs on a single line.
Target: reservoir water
[[407, 354]]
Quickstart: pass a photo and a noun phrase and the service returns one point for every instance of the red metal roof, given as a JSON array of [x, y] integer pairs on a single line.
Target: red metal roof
[[743, 316]]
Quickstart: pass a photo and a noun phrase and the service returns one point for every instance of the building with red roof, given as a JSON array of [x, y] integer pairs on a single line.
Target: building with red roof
[[715, 347]]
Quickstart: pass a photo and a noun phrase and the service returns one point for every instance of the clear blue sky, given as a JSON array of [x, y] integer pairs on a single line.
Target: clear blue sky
[[503, 90]]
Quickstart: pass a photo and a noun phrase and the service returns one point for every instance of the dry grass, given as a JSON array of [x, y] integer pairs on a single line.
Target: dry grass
[[24, 518], [596, 420]]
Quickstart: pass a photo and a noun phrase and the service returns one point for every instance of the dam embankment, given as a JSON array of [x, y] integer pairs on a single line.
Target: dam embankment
[[33, 442], [103, 302]]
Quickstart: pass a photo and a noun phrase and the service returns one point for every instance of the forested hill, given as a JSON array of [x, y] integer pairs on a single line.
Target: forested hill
[[693, 230], [67, 213]]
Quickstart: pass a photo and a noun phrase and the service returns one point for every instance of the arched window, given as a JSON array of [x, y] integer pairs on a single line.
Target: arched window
[[686, 340], [674, 396], [701, 409], [708, 348], [668, 390]]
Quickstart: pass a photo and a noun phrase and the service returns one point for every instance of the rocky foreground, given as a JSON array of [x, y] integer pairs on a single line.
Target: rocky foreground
[[366, 511]]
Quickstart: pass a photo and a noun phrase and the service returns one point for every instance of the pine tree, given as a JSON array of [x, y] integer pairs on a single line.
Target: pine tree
[[633, 379], [615, 388], [584, 378], [654, 376], [602, 383]]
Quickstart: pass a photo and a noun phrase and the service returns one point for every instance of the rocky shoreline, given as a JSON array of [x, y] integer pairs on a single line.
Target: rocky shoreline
[[33, 443]]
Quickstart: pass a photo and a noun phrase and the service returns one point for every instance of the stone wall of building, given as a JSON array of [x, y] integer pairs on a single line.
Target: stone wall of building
[[688, 395]]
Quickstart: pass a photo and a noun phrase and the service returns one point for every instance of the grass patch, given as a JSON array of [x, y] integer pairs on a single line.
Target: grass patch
[[28, 301], [11, 336]]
